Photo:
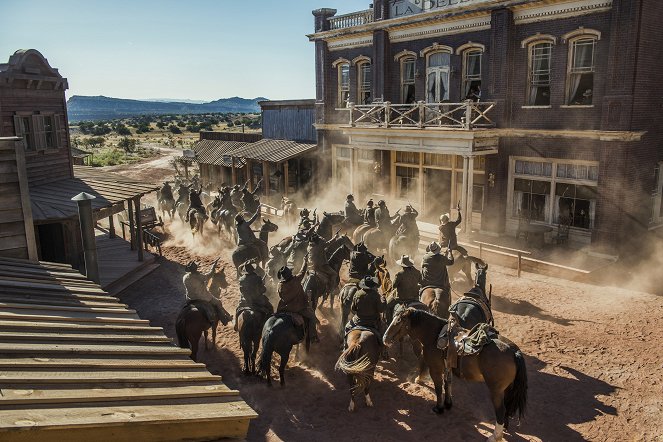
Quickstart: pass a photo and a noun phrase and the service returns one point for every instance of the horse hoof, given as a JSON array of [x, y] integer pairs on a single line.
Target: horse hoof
[[438, 410], [448, 405]]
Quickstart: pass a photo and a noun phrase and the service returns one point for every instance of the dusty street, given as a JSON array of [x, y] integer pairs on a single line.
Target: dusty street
[[594, 361]]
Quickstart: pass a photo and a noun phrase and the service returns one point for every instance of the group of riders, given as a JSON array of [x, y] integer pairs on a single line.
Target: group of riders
[[368, 305]]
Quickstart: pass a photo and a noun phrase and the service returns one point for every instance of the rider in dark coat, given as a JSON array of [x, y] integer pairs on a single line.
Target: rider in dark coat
[[360, 260], [352, 214], [406, 282], [167, 192], [434, 268], [252, 293], [367, 305], [195, 203], [448, 232], [244, 231], [317, 259], [304, 219], [292, 298], [369, 214], [383, 219]]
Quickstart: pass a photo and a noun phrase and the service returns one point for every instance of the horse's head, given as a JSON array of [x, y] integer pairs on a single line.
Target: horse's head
[[218, 281], [400, 325], [269, 226], [347, 242]]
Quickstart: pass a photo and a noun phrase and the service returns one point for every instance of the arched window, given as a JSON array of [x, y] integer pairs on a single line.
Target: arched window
[[408, 69], [472, 74], [540, 62], [364, 82], [580, 73], [437, 76], [343, 84]]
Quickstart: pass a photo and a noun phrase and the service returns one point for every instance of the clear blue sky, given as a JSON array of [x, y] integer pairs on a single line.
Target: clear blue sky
[[190, 49]]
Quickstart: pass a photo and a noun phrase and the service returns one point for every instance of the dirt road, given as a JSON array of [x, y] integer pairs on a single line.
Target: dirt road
[[594, 360]]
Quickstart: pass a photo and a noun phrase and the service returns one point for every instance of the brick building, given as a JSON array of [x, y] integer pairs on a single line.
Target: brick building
[[544, 110]]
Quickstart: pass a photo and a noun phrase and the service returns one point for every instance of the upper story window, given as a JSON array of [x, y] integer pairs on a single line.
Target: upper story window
[[50, 133], [343, 84], [437, 76], [540, 58], [472, 74], [408, 69], [364, 82], [39, 131], [580, 80], [24, 127]]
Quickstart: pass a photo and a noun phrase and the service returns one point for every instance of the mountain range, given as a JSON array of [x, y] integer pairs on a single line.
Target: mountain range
[[81, 107]]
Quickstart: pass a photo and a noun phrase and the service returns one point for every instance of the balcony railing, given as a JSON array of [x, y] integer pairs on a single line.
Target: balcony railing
[[467, 115], [350, 20]]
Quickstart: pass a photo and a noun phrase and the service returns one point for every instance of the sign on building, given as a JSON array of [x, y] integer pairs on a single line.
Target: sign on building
[[400, 8]]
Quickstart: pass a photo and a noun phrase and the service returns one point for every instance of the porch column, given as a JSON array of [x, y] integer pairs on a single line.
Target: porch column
[[285, 178], [130, 211], [265, 178], [86, 219], [111, 227], [463, 194], [233, 172], [470, 196], [139, 229]]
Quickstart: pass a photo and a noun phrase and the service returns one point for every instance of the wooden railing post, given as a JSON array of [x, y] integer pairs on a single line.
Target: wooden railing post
[[387, 113], [468, 115], [351, 105], [422, 114], [520, 263]]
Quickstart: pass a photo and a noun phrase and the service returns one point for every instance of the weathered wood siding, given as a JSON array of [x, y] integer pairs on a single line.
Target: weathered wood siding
[[17, 238], [231, 136], [289, 122]]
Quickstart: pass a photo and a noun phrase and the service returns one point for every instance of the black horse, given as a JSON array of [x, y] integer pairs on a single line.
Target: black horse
[[279, 334], [312, 283], [474, 306], [250, 324], [326, 226]]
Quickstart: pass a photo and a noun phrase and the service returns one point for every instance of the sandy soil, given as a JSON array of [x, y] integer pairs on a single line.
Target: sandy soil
[[594, 361]]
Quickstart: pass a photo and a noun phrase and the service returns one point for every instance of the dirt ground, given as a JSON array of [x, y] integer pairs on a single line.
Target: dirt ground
[[594, 360]]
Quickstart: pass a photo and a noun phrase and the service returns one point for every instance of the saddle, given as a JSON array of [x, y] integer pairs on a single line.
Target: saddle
[[205, 308], [459, 342], [476, 299], [351, 327]]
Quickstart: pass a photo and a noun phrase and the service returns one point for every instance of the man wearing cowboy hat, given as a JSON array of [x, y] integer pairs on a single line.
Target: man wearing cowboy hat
[[360, 260], [352, 215], [448, 232], [434, 268], [304, 218], [367, 305], [195, 286], [406, 282], [293, 299], [383, 219], [244, 231], [252, 292], [195, 204], [369, 213], [317, 260]]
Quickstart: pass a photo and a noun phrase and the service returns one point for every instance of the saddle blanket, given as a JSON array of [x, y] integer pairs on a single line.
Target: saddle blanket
[[362, 328], [471, 342], [485, 310]]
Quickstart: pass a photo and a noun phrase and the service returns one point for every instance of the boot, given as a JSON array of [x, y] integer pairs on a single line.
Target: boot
[[235, 325]]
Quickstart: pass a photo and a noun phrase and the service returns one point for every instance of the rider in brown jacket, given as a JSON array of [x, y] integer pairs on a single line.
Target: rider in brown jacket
[[293, 299], [406, 282]]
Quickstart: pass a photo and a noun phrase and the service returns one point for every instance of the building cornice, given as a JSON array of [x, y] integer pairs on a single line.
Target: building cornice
[[553, 11], [353, 41]]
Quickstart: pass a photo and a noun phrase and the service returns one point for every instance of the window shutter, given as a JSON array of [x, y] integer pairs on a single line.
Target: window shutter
[[39, 135], [59, 133], [18, 130]]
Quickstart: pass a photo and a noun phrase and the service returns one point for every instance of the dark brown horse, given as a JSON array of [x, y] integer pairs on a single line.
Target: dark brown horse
[[197, 222], [192, 322], [258, 250], [249, 324], [500, 365], [358, 362]]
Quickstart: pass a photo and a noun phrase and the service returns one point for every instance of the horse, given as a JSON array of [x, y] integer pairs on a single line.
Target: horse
[[358, 363], [182, 204], [289, 210], [192, 322], [358, 234], [401, 244], [500, 365], [249, 326], [258, 250], [463, 265], [326, 226], [437, 300], [279, 334], [468, 309], [166, 204], [197, 220], [313, 285]]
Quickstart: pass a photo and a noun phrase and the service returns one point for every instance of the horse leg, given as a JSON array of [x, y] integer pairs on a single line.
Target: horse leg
[[246, 348], [194, 341], [367, 395], [497, 398], [352, 406], [282, 365], [206, 334], [448, 400], [416, 348], [254, 354]]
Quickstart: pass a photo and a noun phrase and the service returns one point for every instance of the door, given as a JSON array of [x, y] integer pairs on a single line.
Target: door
[[437, 194], [51, 243]]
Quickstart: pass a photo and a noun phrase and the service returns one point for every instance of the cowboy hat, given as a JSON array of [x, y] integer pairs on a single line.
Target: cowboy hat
[[444, 218], [284, 274], [382, 203], [239, 218], [350, 197], [408, 209], [191, 266], [368, 283], [434, 247], [370, 203], [405, 261]]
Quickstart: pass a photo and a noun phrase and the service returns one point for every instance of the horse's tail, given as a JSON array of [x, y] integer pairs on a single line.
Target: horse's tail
[[353, 363], [265, 362], [515, 398], [180, 329]]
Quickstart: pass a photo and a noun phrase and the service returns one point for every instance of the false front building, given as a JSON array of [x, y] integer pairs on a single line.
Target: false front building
[[536, 110]]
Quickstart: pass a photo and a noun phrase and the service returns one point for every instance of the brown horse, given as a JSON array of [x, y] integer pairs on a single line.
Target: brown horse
[[438, 300], [197, 222], [249, 325], [258, 250], [358, 362], [192, 322], [500, 365]]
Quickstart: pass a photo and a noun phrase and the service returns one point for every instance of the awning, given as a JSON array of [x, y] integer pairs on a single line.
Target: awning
[[274, 151], [217, 152], [53, 201]]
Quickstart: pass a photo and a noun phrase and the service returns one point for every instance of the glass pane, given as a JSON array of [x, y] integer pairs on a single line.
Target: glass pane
[[408, 93], [344, 76], [407, 157], [440, 160], [536, 168], [583, 55], [343, 152], [439, 59], [432, 88], [408, 71], [473, 64], [477, 198]]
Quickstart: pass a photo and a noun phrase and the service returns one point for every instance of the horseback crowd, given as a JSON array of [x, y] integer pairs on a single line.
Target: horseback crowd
[[302, 271]]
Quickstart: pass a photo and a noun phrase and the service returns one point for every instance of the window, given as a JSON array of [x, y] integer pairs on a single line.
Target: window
[[535, 168], [580, 81], [437, 77], [50, 133], [531, 199], [407, 157], [575, 204], [539, 74], [408, 69], [477, 198], [657, 194], [343, 84], [407, 183], [364, 83], [24, 128], [472, 74], [438, 160]]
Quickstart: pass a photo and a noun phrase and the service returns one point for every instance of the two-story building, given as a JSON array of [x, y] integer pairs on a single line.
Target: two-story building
[[543, 109]]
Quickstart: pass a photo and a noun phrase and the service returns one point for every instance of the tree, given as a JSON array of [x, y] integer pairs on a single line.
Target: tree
[[127, 144], [123, 130], [174, 129]]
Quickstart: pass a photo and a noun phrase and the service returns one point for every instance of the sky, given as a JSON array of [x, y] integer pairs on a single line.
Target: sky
[[186, 49]]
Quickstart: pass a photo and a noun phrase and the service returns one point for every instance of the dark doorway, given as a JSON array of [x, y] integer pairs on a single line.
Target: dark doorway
[[437, 194], [51, 243]]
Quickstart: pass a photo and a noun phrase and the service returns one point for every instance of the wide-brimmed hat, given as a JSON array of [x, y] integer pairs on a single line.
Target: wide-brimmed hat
[[191, 266], [284, 273], [239, 218], [382, 203], [369, 283], [434, 247], [444, 218], [350, 197], [370, 203], [405, 261], [361, 247], [408, 209]]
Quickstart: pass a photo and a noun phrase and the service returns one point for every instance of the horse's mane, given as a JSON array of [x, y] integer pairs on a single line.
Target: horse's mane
[[417, 317], [338, 256]]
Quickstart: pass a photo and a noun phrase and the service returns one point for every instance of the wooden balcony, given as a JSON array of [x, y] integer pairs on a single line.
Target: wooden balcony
[[467, 115], [353, 19]]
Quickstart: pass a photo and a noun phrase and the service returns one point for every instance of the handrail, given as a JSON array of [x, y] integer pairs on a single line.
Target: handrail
[[520, 253], [352, 19], [466, 115]]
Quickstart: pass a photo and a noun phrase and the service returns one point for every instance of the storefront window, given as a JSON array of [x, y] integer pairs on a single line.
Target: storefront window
[[407, 157], [438, 160], [575, 204], [407, 179], [531, 199]]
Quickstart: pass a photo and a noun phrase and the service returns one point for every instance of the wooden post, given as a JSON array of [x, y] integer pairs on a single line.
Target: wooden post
[[111, 227], [285, 178], [463, 194], [139, 230], [520, 261], [470, 195], [299, 174], [233, 172], [481, 250], [265, 178], [131, 224]]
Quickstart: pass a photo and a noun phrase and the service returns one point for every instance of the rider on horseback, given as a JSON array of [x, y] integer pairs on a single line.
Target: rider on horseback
[[244, 231], [252, 293], [369, 213], [406, 283], [304, 220], [352, 214], [317, 260], [367, 305], [448, 232], [408, 223], [292, 298], [195, 285], [236, 197], [195, 203], [434, 269], [167, 192], [360, 259], [383, 219]]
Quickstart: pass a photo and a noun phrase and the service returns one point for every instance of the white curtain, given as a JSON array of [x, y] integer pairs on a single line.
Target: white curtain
[[575, 84]]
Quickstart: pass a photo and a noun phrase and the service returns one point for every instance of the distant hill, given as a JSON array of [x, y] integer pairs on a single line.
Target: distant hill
[[80, 107]]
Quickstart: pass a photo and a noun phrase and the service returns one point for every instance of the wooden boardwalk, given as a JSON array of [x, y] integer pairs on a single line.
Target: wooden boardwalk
[[78, 365]]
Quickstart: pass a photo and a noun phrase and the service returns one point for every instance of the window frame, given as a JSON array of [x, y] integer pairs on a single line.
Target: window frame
[[571, 72], [439, 70], [531, 47], [465, 81], [343, 88], [412, 82], [362, 84], [656, 217]]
